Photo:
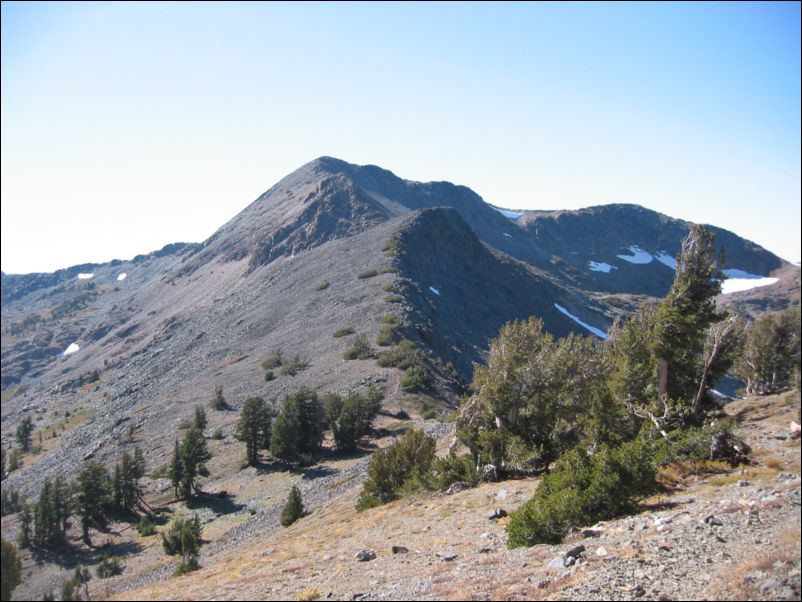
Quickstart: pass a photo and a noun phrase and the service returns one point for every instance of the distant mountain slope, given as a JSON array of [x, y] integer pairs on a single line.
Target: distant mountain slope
[[630, 249], [302, 261], [461, 292]]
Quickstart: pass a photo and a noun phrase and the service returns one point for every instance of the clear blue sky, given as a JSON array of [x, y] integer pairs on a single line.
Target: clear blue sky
[[128, 126]]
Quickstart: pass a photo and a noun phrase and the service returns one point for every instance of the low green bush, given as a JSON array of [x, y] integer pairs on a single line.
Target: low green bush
[[427, 413], [359, 349], [342, 332], [368, 274], [400, 469], [403, 355], [274, 361], [454, 469], [394, 298], [321, 286], [293, 366], [418, 378], [582, 490], [109, 567], [387, 336], [145, 526]]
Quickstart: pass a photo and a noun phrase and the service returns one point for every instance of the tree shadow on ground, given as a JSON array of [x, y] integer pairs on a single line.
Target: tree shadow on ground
[[318, 472], [269, 466], [216, 502], [124, 548]]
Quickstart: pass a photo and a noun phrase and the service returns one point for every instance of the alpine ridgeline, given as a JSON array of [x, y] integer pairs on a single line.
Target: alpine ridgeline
[[333, 248]]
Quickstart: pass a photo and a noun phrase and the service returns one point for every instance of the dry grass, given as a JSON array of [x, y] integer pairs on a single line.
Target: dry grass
[[679, 474], [738, 586], [309, 593], [773, 462]]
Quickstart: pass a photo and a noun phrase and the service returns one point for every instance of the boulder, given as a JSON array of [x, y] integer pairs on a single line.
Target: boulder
[[365, 555], [497, 514]]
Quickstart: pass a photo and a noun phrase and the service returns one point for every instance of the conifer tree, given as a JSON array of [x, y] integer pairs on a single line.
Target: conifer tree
[[193, 453], [50, 513], [25, 519], [771, 352], [127, 472], [23, 434], [11, 565], [200, 418], [176, 469], [183, 537], [253, 428], [294, 508], [93, 497], [684, 316], [297, 431]]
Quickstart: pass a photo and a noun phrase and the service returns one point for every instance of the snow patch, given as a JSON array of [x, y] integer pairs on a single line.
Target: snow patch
[[71, 349], [736, 285], [122, 276], [638, 256], [592, 329], [666, 259], [85, 276], [434, 290], [739, 280], [508, 213], [734, 273], [601, 267]]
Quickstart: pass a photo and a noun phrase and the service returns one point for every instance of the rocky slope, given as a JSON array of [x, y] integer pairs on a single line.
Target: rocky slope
[[332, 245], [730, 534]]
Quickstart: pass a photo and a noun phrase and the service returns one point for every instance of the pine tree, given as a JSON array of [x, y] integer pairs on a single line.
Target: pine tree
[[529, 396], [11, 564], [14, 459], [284, 435], [218, 401], [93, 497], [183, 537], [297, 432], [200, 418], [193, 453], [46, 516], [349, 418], [176, 469], [683, 318], [127, 472], [23, 434], [311, 420], [771, 352], [294, 509], [253, 428], [25, 519]]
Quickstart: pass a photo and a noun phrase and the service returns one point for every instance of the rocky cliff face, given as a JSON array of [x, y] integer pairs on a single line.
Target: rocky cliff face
[[461, 291]]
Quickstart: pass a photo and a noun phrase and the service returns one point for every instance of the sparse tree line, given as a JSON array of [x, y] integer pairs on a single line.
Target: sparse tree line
[[295, 435], [598, 417], [92, 498]]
